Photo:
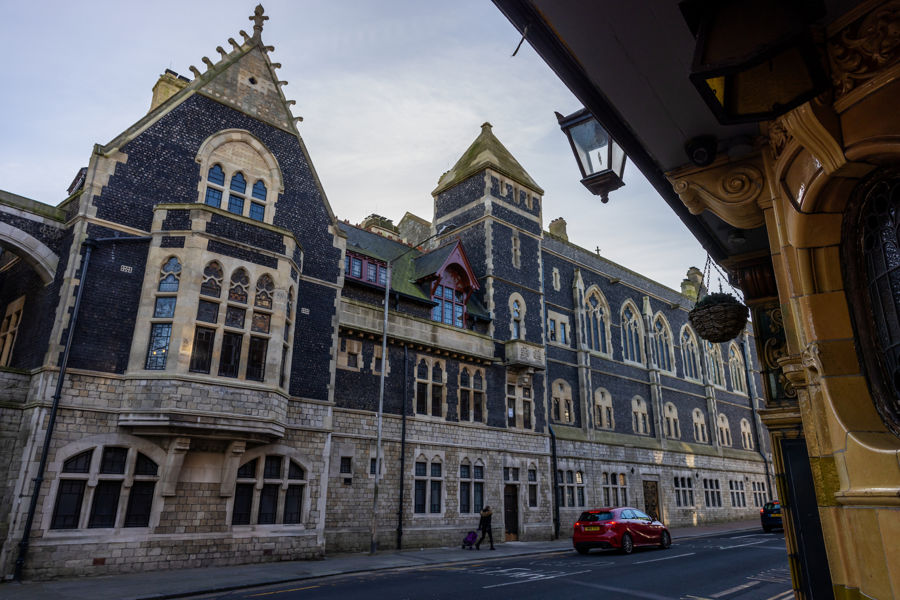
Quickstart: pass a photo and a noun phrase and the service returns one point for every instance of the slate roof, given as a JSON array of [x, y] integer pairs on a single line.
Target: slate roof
[[486, 151], [408, 268]]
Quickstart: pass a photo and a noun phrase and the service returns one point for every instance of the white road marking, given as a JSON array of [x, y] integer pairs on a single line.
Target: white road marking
[[640, 562], [736, 588], [782, 595], [620, 591], [740, 537], [743, 545], [527, 576]]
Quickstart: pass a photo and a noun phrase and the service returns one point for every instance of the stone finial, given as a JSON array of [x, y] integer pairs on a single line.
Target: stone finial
[[558, 228], [276, 65], [234, 44], [269, 48], [221, 51], [209, 64], [258, 18], [487, 126], [298, 119], [245, 35], [195, 71], [291, 102]]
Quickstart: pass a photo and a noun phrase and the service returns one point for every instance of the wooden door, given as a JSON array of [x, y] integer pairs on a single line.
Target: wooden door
[[511, 512]]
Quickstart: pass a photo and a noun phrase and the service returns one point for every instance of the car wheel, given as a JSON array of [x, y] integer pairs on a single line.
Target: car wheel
[[627, 544], [582, 549], [665, 540]]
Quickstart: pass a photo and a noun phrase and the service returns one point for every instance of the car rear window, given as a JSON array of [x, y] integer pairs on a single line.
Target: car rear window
[[772, 505], [595, 516]]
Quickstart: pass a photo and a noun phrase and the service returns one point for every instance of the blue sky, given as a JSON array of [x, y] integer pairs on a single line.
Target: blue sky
[[391, 92]]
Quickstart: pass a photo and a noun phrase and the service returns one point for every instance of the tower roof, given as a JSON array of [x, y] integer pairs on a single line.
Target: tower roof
[[486, 152]]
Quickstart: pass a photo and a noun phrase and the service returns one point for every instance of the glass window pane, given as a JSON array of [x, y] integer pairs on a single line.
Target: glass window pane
[[247, 470], [113, 461], [208, 312], [268, 504], [478, 496], [371, 272], [437, 311], [295, 471], [216, 175], [421, 469], [356, 267], [140, 501], [168, 283], [80, 463], [243, 503], [479, 472], [435, 469], [259, 190], [158, 347], [238, 183], [235, 204], [257, 211], [465, 471], [261, 322], [272, 468], [420, 496], [293, 502], [448, 313], [435, 497], [256, 359], [68, 504], [449, 293], [229, 361], [213, 197], [145, 466], [234, 317], [105, 504], [458, 315], [201, 354], [464, 497]]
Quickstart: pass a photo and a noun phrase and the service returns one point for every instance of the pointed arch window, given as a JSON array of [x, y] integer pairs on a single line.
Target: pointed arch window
[[258, 204], [690, 356], [516, 320], [701, 434], [597, 323], [746, 435], [163, 314], [724, 431], [604, 409], [8, 329], [715, 365], [236, 195], [215, 186], [430, 387], [662, 345], [640, 420], [563, 409], [471, 395], [471, 486], [631, 335], [736, 369], [673, 428]]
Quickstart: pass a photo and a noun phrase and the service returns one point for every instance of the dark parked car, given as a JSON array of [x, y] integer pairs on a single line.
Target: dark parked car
[[624, 528], [770, 515]]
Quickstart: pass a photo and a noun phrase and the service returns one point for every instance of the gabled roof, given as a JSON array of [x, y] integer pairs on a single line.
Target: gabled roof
[[410, 268], [244, 78], [486, 152]]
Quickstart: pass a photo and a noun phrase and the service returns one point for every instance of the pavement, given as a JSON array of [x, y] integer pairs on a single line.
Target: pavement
[[176, 583]]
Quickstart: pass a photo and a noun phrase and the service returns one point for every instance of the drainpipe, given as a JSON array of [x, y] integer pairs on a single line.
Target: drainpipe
[[751, 390], [89, 245], [402, 445], [555, 492]]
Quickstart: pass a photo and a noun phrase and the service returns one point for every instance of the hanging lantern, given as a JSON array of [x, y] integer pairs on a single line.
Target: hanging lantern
[[600, 158], [755, 60]]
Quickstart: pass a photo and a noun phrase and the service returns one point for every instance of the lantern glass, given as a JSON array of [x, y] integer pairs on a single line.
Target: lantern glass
[[592, 148]]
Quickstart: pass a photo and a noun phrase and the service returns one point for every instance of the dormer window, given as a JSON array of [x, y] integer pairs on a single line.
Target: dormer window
[[450, 307], [364, 268]]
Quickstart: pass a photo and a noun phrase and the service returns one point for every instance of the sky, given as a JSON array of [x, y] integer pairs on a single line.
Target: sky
[[391, 92]]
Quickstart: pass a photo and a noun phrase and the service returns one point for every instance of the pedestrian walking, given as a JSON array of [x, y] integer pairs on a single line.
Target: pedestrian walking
[[484, 524]]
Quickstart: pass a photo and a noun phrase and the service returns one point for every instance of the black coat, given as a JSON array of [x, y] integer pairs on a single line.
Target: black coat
[[484, 523]]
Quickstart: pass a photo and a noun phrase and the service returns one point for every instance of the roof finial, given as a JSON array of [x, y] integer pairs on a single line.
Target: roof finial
[[258, 18]]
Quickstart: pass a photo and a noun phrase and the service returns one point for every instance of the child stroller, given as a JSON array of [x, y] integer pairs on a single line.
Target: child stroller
[[469, 540]]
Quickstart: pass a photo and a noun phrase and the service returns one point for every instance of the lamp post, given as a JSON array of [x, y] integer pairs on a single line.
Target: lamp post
[[600, 158], [373, 544]]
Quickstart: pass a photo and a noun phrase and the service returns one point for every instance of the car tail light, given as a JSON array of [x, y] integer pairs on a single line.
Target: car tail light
[[762, 510], [610, 522]]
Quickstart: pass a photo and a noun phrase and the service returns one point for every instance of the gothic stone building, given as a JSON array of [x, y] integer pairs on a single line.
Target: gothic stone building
[[221, 387]]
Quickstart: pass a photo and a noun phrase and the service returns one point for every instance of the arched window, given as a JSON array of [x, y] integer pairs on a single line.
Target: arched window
[[724, 431], [640, 420], [597, 322], [430, 387], [562, 407], [662, 344], [746, 435], [604, 409], [673, 428], [163, 314], [516, 320], [715, 365], [700, 431], [8, 329], [632, 333], [471, 486], [516, 250], [615, 490], [118, 471], [239, 165], [471, 395], [571, 487], [736, 369], [269, 490], [690, 355]]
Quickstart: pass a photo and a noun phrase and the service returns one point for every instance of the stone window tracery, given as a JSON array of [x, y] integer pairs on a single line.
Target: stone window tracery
[[532, 486], [604, 417], [746, 435], [615, 489], [269, 490], [736, 369], [8, 329], [450, 306], [598, 334], [570, 488], [690, 356], [472, 395], [640, 420], [662, 345], [562, 407], [701, 434], [519, 403], [430, 375], [471, 486], [427, 486], [714, 365], [724, 431], [93, 483], [632, 335], [163, 314], [673, 428]]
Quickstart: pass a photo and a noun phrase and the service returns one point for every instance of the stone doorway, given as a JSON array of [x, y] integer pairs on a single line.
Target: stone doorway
[[511, 512], [651, 498]]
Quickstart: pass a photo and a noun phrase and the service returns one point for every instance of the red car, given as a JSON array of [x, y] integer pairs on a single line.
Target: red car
[[624, 528]]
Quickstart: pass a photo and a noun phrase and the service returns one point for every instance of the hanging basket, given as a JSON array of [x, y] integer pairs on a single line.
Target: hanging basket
[[718, 317]]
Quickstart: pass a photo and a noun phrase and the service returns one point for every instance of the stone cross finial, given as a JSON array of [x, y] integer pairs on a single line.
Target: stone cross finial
[[598, 250], [258, 18]]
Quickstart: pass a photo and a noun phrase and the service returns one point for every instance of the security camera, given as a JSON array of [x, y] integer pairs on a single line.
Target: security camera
[[701, 150]]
